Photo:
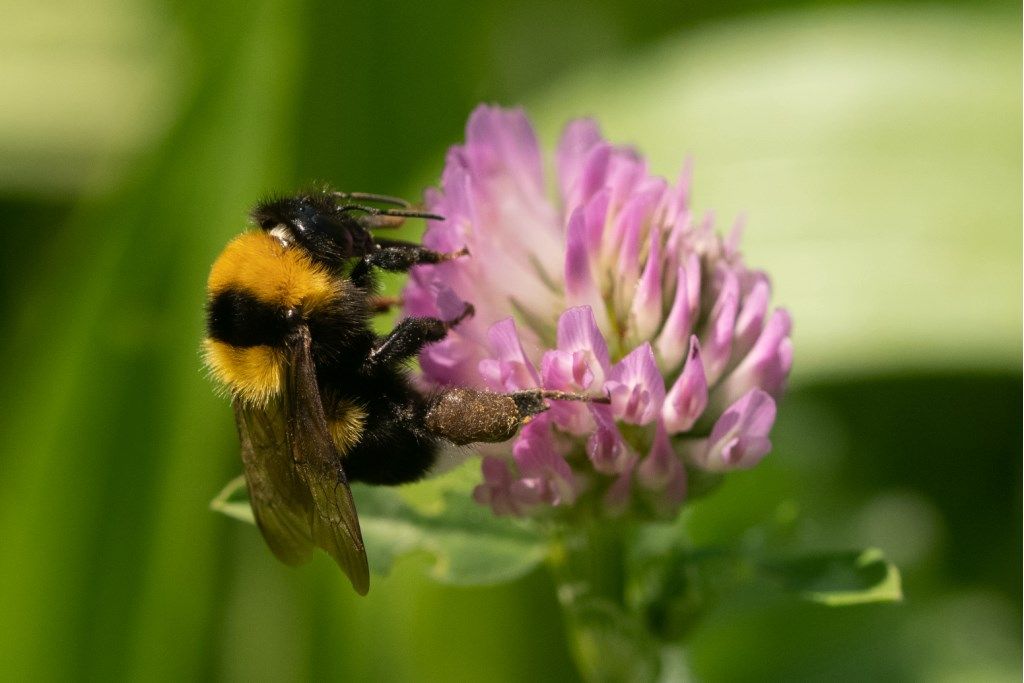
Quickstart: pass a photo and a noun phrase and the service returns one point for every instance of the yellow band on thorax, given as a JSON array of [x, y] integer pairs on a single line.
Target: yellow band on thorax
[[259, 264]]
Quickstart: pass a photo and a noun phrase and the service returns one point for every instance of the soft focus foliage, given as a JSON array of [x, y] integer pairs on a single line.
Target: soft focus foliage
[[875, 148]]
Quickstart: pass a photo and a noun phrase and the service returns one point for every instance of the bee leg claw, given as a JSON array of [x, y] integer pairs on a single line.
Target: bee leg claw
[[452, 255]]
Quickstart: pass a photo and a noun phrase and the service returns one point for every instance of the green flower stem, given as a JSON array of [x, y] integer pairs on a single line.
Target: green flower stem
[[609, 642]]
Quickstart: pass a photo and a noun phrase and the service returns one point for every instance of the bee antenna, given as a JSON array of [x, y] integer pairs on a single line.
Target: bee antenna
[[372, 197], [399, 213], [345, 208], [412, 213]]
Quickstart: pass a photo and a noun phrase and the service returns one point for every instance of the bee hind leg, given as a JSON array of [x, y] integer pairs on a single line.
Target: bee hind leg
[[464, 416]]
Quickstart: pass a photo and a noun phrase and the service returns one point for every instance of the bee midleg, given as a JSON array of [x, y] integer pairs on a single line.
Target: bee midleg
[[398, 257], [409, 337]]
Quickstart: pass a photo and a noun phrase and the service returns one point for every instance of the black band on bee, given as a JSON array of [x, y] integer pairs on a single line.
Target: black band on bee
[[238, 318]]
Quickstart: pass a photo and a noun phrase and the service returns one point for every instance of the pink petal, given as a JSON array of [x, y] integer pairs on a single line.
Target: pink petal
[[693, 284], [662, 473], [625, 170], [454, 203], [580, 287], [495, 489], [515, 229], [595, 217], [739, 439], [717, 337], [449, 304], [509, 369], [750, 320], [617, 497], [578, 138], [645, 312], [671, 343], [688, 397], [731, 245], [498, 137], [606, 448], [767, 365], [621, 246], [565, 370], [676, 246], [528, 494], [579, 364], [636, 387], [419, 296], [591, 178], [539, 462], [450, 362], [578, 332], [678, 200], [572, 417]]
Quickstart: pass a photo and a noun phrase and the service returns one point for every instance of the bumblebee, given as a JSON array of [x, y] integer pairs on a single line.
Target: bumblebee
[[320, 400]]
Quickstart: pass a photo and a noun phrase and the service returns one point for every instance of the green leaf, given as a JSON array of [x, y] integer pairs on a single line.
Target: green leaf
[[840, 579], [469, 546]]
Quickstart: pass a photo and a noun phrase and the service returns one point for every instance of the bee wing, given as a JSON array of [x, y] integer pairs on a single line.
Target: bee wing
[[279, 498], [333, 522]]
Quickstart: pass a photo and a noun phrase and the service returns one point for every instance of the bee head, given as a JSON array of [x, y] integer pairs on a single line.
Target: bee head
[[316, 223]]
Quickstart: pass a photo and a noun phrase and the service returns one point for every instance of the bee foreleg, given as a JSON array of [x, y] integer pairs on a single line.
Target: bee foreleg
[[399, 257]]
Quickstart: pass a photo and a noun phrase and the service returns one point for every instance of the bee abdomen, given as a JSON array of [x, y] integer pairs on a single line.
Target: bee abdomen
[[245, 343]]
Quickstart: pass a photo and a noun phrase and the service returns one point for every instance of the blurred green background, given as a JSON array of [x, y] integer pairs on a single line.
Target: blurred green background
[[875, 148]]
